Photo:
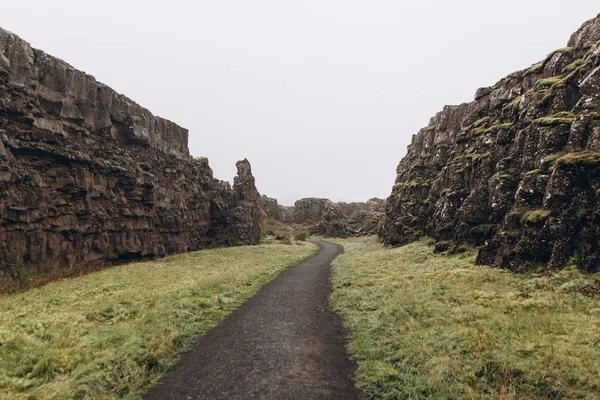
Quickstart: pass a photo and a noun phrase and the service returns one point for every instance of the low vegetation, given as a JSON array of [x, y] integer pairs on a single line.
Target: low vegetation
[[110, 334], [437, 326], [561, 118], [581, 158], [535, 216]]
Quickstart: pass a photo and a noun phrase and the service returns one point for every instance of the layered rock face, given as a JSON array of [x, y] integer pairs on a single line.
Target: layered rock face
[[88, 176], [325, 217], [271, 207], [517, 171], [309, 211]]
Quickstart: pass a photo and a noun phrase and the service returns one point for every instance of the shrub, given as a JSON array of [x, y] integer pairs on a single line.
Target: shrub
[[14, 274], [301, 235]]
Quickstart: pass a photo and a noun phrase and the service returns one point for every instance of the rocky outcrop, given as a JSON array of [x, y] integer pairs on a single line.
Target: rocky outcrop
[[309, 211], [88, 176], [353, 219], [271, 207], [516, 171], [237, 220], [325, 217]]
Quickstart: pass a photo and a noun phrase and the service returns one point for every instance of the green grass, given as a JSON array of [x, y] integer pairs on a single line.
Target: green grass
[[112, 333], [437, 326]]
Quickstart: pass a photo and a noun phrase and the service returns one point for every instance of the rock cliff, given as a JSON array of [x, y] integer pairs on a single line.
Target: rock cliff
[[89, 176], [324, 217], [516, 171]]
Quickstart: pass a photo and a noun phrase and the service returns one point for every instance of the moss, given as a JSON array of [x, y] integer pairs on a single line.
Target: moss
[[547, 82], [495, 128], [535, 68], [553, 84], [573, 66], [549, 121], [532, 172], [513, 105], [448, 193], [479, 131], [517, 212], [563, 50], [410, 203], [552, 158], [535, 216], [477, 127], [561, 118], [539, 67], [480, 122], [419, 182], [582, 158], [477, 157]]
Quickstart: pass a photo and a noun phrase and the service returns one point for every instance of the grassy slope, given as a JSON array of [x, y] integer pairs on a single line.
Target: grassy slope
[[435, 326], [110, 334]]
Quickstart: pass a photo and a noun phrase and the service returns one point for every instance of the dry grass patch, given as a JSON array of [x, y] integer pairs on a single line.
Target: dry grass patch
[[436, 326], [110, 334]]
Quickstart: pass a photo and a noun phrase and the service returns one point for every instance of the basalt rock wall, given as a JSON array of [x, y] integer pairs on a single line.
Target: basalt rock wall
[[516, 171], [327, 218], [89, 176]]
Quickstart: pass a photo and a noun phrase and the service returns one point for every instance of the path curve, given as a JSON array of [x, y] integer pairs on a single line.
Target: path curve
[[283, 343]]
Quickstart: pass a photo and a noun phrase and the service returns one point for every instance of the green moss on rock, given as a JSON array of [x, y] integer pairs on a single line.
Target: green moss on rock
[[583, 158], [535, 216], [561, 118]]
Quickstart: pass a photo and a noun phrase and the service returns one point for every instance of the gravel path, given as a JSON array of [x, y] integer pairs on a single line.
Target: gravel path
[[283, 343]]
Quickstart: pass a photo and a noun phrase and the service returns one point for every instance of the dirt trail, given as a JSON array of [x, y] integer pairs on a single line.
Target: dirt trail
[[283, 343]]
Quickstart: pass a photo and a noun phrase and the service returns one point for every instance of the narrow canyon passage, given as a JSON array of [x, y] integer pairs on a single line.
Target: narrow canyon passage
[[283, 343]]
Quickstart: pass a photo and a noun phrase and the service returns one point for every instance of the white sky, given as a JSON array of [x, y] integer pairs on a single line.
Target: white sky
[[322, 96]]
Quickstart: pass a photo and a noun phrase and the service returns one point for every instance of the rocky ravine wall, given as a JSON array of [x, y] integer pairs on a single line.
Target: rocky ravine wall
[[324, 217], [517, 171], [89, 176]]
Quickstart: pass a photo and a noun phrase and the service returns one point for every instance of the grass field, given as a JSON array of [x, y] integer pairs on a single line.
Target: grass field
[[436, 326], [110, 334]]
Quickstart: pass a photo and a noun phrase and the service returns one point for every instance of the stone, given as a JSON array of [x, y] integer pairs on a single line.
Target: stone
[[89, 176], [324, 217], [516, 171]]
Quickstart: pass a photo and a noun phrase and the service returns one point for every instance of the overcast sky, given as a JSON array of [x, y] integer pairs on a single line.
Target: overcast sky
[[322, 96]]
